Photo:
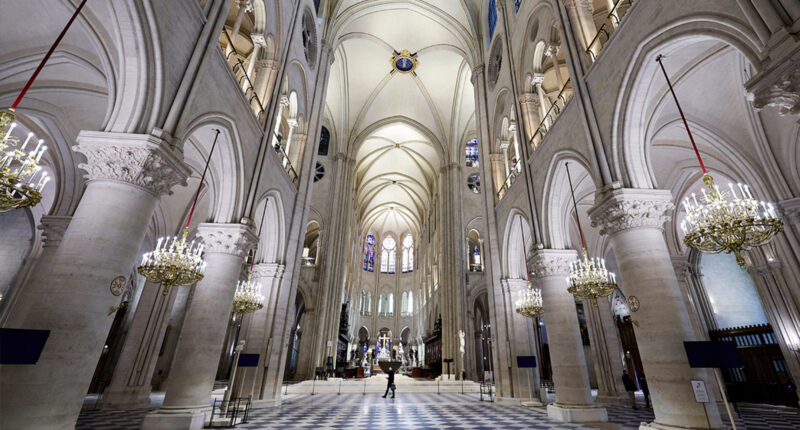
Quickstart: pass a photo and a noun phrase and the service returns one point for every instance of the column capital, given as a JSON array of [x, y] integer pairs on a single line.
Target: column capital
[[628, 208], [233, 239], [778, 87], [259, 39], [683, 267], [142, 160], [268, 270], [526, 98], [477, 71], [53, 228], [574, 4], [267, 64], [544, 263], [790, 209]]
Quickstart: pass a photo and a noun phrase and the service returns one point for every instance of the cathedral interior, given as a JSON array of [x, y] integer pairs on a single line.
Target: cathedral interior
[[536, 214]]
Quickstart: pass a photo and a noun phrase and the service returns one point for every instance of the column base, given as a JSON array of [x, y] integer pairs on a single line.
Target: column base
[[133, 399], [623, 400], [266, 403], [577, 414], [178, 419]]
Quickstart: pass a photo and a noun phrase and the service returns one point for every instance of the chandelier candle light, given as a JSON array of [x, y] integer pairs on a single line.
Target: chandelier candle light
[[530, 304], [588, 277], [20, 187], [248, 297], [723, 222], [175, 261]]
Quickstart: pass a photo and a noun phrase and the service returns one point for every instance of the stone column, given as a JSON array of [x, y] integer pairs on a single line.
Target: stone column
[[512, 128], [496, 161], [256, 329], [244, 7], [570, 376], [264, 79], [130, 385], [607, 351], [525, 382], [299, 143], [552, 52], [53, 228], [682, 273], [287, 142], [529, 104], [580, 13], [258, 43], [126, 174], [191, 377], [633, 220]]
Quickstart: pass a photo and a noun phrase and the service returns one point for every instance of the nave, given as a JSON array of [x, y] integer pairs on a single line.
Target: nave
[[422, 411]]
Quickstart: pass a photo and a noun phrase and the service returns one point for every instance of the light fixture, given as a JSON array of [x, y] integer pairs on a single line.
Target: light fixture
[[588, 277], [720, 221], [21, 183], [530, 304], [176, 261], [248, 297], [20, 187]]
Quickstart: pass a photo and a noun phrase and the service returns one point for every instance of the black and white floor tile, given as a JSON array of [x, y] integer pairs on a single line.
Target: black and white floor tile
[[423, 411]]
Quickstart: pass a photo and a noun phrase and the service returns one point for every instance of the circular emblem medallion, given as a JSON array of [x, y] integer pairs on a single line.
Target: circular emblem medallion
[[404, 61], [117, 285], [633, 303]]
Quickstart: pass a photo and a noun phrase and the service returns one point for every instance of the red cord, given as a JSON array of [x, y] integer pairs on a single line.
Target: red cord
[[575, 205], [202, 179], [683, 117], [47, 56]]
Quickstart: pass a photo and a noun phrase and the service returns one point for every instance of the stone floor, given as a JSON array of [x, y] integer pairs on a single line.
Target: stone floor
[[422, 411]]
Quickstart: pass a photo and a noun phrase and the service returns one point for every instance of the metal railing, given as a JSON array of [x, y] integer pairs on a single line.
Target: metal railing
[[613, 19], [239, 70], [512, 176], [283, 158], [550, 117], [229, 413]]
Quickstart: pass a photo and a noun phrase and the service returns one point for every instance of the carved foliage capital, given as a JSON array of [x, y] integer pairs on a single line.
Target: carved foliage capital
[[779, 89], [526, 98], [143, 160], [626, 209], [544, 263], [53, 228], [233, 239], [268, 270]]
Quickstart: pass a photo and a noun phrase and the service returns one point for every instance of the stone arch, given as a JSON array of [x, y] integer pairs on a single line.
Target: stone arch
[[629, 155], [516, 238], [272, 242], [224, 174], [557, 211]]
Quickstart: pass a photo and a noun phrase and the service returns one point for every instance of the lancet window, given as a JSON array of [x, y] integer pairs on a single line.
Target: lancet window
[[408, 254], [369, 253], [388, 255]]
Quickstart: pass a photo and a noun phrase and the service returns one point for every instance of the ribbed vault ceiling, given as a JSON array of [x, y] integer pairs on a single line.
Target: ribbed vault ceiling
[[400, 126]]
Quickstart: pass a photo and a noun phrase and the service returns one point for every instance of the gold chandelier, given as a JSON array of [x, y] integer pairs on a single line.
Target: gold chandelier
[[530, 304], [175, 261], [20, 182], [19, 187], [248, 297], [588, 277], [722, 222]]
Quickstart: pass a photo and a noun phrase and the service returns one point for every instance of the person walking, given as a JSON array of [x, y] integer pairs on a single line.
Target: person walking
[[630, 387], [645, 390], [390, 384]]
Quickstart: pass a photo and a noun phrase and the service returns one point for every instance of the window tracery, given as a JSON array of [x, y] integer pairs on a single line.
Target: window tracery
[[471, 151], [369, 253], [388, 255], [408, 253]]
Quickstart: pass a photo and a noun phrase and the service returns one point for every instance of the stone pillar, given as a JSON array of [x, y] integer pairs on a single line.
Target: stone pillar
[[544, 102], [633, 220], [256, 329], [552, 52], [191, 377], [53, 228], [299, 143], [525, 382], [266, 71], [580, 13], [512, 128], [130, 385], [258, 43], [529, 104], [607, 352], [570, 376], [126, 174], [496, 161], [287, 142], [244, 7], [682, 269]]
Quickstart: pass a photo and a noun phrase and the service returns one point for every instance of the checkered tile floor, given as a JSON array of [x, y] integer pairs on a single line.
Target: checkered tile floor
[[423, 411]]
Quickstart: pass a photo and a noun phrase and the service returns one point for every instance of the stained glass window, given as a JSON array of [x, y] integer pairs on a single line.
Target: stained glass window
[[408, 254], [472, 153], [474, 183], [388, 255], [369, 253], [517, 3], [492, 17], [324, 141]]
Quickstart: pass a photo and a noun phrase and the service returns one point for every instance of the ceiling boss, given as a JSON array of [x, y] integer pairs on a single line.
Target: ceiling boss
[[404, 62]]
